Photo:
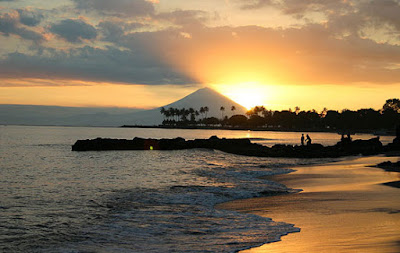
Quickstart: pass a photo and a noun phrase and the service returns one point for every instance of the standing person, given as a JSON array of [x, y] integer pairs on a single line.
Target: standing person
[[308, 140], [349, 137], [302, 139]]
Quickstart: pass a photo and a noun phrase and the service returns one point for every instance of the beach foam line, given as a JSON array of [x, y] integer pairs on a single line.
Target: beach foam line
[[340, 202]]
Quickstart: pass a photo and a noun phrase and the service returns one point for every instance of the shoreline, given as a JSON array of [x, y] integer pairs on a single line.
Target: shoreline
[[340, 202], [273, 129], [389, 133]]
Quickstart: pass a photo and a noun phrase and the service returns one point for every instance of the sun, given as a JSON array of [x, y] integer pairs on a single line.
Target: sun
[[247, 94]]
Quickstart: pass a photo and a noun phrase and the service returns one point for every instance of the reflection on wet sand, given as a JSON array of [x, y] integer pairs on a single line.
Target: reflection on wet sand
[[343, 208]]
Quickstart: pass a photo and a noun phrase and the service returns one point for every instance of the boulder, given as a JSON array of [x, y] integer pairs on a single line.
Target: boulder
[[234, 146]]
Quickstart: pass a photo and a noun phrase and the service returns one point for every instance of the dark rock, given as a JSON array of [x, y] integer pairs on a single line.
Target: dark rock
[[395, 145], [234, 146], [395, 184], [389, 166], [365, 147]]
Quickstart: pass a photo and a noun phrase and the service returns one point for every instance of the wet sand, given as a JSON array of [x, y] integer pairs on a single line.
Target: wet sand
[[344, 207]]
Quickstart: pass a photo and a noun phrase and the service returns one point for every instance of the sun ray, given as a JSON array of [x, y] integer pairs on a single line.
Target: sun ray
[[248, 94]]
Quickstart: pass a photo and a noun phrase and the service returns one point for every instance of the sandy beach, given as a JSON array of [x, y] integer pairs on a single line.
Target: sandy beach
[[344, 207]]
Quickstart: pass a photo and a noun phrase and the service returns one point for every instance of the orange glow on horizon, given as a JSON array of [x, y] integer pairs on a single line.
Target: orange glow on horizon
[[307, 97], [248, 94], [79, 93]]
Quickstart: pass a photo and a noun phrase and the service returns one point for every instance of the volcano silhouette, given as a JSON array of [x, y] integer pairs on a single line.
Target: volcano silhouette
[[71, 116], [200, 98]]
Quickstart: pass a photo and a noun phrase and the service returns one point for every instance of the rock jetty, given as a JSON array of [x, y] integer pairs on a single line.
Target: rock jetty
[[236, 146], [389, 166]]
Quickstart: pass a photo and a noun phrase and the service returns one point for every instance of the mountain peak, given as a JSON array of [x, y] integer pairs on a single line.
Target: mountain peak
[[210, 98], [205, 91], [200, 98]]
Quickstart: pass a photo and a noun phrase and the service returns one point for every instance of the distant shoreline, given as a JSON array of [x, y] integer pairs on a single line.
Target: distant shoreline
[[322, 130]]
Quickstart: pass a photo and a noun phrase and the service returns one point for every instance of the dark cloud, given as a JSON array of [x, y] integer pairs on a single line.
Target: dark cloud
[[185, 18], [305, 55], [379, 10], [325, 6], [183, 47], [113, 30], [74, 30], [91, 64], [129, 8], [296, 7], [29, 18], [10, 24], [341, 17], [310, 53], [383, 11]]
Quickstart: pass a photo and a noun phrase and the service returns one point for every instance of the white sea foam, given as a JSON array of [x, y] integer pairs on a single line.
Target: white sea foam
[[132, 201]]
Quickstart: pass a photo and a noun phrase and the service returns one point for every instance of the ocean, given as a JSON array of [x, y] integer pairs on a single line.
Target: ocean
[[56, 200]]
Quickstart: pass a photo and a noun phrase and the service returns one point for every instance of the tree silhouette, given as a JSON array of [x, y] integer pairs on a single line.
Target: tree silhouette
[[233, 108], [191, 111], [297, 110], [237, 120], [259, 117], [256, 121], [202, 111], [250, 112], [162, 111], [222, 109], [393, 104], [324, 112], [206, 109], [212, 121]]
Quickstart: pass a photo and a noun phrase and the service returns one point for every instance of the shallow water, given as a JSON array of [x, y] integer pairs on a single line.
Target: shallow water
[[56, 200]]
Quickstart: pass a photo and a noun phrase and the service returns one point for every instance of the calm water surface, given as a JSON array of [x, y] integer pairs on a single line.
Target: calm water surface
[[56, 200]]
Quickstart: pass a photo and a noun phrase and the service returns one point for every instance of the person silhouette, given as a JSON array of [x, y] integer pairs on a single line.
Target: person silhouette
[[302, 139], [308, 140]]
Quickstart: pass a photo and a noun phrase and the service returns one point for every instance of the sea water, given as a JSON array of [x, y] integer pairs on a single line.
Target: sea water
[[56, 200]]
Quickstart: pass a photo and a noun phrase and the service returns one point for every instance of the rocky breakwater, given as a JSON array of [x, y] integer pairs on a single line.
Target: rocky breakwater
[[395, 145], [235, 146]]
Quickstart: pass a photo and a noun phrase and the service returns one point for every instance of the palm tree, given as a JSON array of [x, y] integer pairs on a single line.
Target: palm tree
[[168, 114], [324, 112], [297, 110], [171, 111], [206, 110], [182, 114], [162, 111], [192, 115], [202, 111], [176, 114], [196, 113], [222, 109]]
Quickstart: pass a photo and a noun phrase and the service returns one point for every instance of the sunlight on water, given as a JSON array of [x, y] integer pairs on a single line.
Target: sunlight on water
[[54, 199]]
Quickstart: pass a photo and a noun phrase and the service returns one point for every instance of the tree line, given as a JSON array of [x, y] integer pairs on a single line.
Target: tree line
[[182, 117], [261, 118]]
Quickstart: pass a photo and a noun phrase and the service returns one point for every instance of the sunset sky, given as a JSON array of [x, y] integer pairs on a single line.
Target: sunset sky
[[147, 53]]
